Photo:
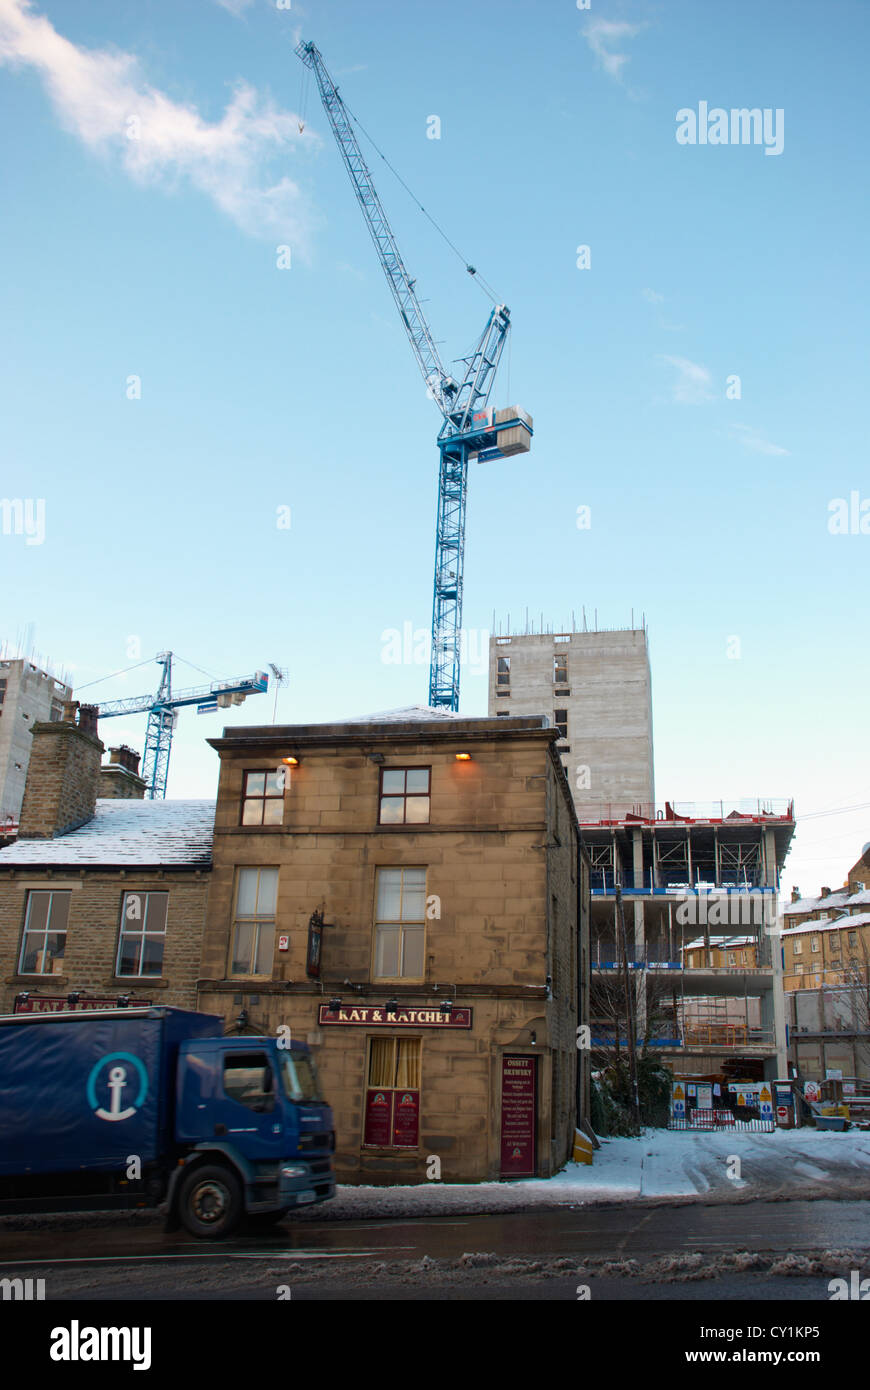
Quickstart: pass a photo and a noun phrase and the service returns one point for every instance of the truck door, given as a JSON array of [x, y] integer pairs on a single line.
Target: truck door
[[248, 1108]]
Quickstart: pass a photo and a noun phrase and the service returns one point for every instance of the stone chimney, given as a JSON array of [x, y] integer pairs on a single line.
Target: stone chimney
[[825, 893], [795, 895], [60, 793], [119, 777]]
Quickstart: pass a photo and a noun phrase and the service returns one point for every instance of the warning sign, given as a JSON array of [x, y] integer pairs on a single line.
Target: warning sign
[[679, 1102]]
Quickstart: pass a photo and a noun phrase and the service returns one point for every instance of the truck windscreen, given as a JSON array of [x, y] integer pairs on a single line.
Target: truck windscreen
[[300, 1077]]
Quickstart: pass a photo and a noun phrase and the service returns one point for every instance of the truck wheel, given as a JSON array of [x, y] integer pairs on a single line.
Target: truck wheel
[[210, 1203]]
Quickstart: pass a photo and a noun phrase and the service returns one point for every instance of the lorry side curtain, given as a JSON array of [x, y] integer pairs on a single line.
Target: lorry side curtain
[[80, 1095]]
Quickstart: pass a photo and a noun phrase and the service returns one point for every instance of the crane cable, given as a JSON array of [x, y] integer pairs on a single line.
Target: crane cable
[[486, 289]]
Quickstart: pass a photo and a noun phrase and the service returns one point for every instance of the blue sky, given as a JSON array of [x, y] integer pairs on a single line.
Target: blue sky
[[147, 247]]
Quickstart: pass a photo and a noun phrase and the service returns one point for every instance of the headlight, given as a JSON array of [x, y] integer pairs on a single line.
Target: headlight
[[294, 1172]]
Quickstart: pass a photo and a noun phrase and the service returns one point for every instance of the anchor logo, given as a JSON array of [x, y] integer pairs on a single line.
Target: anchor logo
[[116, 1083]]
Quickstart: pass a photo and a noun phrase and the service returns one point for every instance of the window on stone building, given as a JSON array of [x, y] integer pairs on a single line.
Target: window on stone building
[[143, 933], [263, 798], [503, 671], [560, 669], [814, 944], [253, 943], [44, 940], [560, 719], [797, 947], [404, 796], [400, 923], [798, 970], [2, 690], [853, 938], [392, 1108]]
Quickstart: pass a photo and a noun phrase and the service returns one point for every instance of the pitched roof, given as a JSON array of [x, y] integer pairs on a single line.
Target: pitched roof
[[857, 919], [160, 833], [405, 715]]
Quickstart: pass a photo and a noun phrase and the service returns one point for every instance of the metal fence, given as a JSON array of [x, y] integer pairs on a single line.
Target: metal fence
[[721, 1120]]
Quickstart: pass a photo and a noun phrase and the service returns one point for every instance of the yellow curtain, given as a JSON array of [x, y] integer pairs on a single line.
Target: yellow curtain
[[381, 1062], [408, 1063]]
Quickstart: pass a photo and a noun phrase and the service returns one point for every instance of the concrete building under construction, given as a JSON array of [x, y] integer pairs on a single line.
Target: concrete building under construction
[[691, 878], [28, 695]]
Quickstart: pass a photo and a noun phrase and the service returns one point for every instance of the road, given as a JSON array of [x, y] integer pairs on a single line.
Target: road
[[524, 1254]]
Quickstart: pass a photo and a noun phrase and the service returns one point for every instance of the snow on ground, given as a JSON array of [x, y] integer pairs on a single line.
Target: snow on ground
[[663, 1164]]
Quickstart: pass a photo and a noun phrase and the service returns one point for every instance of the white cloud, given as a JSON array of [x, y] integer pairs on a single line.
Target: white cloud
[[692, 384], [235, 7], [653, 296], [103, 99], [602, 35], [751, 439]]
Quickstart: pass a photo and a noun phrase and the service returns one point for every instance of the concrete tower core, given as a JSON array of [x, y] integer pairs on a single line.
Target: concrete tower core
[[596, 688]]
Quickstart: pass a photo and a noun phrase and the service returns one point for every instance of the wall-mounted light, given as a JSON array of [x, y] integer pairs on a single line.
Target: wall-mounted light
[[122, 1001], [534, 1038], [463, 757], [392, 1006], [446, 1007], [334, 1006], [375, 758], [292, 761], [73, 998]]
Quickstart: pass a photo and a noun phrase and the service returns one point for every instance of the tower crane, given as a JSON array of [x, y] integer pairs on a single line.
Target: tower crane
[[162, 710], [470, 429]]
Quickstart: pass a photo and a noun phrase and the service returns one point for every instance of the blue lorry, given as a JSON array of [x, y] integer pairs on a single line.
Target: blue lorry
[[141, 1106]]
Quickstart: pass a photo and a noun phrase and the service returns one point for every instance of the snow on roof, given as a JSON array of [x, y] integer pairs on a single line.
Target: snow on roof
[[126, 831], [862, 896], [721, 941], [802, 905], [406, 714], [857, 919], [838, 899]]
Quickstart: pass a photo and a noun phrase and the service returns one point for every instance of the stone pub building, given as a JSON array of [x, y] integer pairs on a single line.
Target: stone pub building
[[407, 894]]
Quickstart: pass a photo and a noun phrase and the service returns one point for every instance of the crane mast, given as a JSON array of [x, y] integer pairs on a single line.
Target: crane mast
[[469, 430]]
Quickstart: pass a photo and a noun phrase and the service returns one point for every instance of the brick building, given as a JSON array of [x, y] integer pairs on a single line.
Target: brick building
[[408, 894], [826, 977], [101, 897]]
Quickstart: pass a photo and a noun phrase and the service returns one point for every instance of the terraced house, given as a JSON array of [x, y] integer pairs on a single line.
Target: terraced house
[[407, 894], [826, 978], [102, 895]]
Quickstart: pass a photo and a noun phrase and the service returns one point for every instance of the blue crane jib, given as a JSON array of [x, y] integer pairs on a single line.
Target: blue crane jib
[[470, 430], [162, 710]]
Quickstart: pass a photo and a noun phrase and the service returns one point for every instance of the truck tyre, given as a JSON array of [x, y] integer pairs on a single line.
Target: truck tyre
[[210, 1203]]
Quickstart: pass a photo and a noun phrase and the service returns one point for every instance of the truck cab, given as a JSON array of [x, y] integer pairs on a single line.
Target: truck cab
[[254, 1103]]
